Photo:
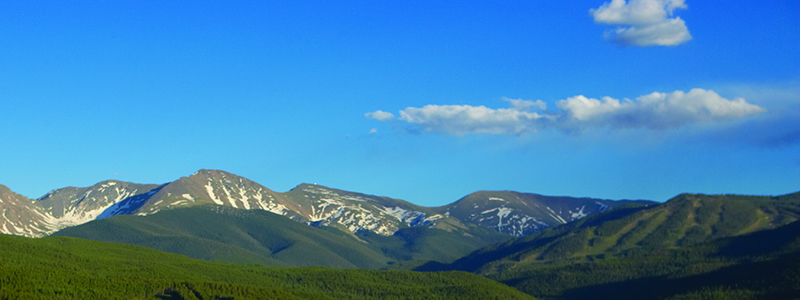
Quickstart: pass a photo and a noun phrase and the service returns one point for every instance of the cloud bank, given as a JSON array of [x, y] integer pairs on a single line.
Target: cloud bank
[[656, 111], [643, 23]]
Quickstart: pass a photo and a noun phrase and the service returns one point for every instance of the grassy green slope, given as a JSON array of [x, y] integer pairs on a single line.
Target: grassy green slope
[[70, 268], [225, 234], [598, 257]]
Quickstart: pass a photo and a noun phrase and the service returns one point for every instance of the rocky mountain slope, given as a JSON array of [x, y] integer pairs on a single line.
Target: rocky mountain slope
[[520, 214], [512, 213], [21, 216], [65, 207]]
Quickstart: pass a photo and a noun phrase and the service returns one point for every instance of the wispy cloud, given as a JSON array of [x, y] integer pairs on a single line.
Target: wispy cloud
[[643, 23], [656, 111], [523, 105]]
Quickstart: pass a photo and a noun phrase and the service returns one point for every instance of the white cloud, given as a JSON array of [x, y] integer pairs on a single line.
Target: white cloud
[[379, 115], [373, 131], [582, 108], [654, 111], [643, 22], [459, 120], [669, 33], [635, 12]]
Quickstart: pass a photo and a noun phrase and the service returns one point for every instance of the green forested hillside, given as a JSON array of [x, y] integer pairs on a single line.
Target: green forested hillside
[[226, 234], [693, 246], [714, 270], [412, 246], [71, 268]]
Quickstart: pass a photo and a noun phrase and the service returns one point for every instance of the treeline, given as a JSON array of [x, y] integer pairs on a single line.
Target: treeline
[[70, 268]]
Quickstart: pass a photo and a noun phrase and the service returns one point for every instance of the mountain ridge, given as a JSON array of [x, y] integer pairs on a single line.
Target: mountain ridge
[[518, 214]]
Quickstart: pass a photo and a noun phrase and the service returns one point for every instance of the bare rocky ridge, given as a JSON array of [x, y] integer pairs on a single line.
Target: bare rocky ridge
[[512, 213], [520, 214], [21, 216]]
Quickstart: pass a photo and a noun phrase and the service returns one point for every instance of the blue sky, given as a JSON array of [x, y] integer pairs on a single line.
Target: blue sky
[[703, 96]]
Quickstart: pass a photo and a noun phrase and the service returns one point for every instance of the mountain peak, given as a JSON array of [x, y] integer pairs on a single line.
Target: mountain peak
[[4, 189], [212, 173], [306, 185]]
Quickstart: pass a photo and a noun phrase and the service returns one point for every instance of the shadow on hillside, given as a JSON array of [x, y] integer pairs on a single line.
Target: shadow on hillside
[[777, 279]]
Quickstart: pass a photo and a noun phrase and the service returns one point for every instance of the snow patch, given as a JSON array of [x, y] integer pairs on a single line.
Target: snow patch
[[332, 194], [502, 212], [179, 201], [210, 190], [396, 212], [245, 199], [432, 218], [76, 216], [410, 217], [228, 194], [579, 214], [555, 216], [488, 211]]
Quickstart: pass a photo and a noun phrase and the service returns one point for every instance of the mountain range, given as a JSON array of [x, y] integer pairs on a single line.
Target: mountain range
[[691, 247], [512, 213]]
